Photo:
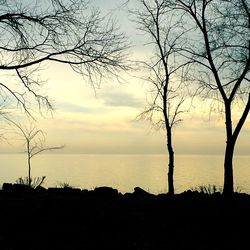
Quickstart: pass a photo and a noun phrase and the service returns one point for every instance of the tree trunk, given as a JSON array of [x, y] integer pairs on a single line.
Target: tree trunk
[[169, 143], [28, 159], [228, 188], [170, 161], [171, 170], [29, 173]]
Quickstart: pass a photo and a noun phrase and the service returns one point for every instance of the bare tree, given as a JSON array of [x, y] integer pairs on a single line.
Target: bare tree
[[219, 46], [34, 142], [153, 19], [61, 31]]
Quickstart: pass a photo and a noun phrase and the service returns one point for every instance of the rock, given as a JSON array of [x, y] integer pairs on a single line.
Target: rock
[[40, 189], [105, 191], [7, 187], [141, 192], [64, 190], [21, 188]]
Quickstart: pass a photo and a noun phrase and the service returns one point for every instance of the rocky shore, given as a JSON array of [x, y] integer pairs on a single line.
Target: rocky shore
[[103, 218]]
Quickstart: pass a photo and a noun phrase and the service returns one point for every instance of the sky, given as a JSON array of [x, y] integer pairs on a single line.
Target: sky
[[104, 120]]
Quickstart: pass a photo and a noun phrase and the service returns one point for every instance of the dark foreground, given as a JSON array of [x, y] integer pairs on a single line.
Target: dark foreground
[[105, 219]]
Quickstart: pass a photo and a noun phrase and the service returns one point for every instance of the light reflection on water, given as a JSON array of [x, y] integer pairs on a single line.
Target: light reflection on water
[[125, 172]]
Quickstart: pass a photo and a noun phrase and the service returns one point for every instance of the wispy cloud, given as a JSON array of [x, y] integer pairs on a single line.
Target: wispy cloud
[[122, 99], [74, 108]]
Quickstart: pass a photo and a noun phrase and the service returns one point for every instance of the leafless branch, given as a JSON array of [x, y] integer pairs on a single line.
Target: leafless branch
[[66, 32]]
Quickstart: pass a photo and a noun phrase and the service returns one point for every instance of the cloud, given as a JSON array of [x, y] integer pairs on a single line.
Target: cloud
[[122, 99], [74, 108]]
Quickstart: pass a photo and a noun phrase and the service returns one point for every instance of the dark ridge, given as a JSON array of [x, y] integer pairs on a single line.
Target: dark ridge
[[103, 218]]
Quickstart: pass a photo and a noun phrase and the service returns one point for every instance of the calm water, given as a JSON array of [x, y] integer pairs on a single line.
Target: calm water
[[125, 172]]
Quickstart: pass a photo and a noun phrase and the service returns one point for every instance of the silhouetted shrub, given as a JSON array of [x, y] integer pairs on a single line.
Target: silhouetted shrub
[[34, 182], [208, 189], [211, 189], [65, 185]]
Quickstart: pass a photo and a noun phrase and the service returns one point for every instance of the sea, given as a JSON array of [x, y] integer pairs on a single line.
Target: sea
[[125, 172]]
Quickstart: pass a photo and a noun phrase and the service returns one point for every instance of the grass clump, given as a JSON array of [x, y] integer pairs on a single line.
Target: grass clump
[[212, 189], [208, 189], [32, 182], [65, 185]]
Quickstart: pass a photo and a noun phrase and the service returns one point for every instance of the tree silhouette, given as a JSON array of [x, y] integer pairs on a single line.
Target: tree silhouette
[[59, 31], [218, 44], [160, 26], [34, 142]]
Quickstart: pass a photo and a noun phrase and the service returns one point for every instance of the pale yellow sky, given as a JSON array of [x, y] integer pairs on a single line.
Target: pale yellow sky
[[104, 120]]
